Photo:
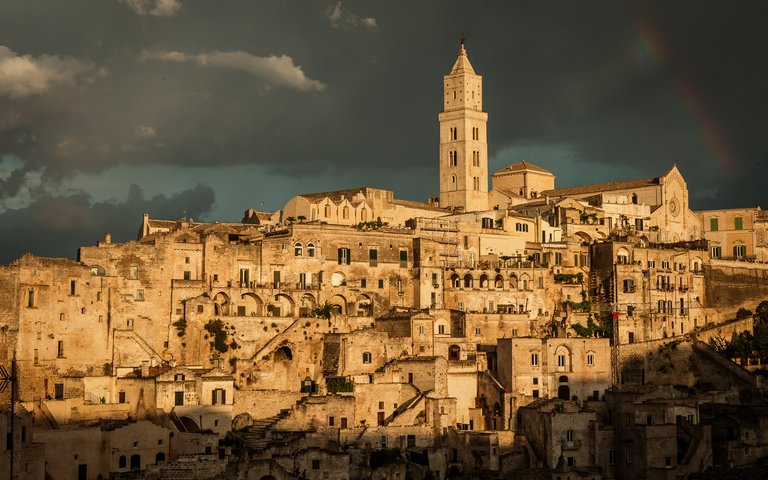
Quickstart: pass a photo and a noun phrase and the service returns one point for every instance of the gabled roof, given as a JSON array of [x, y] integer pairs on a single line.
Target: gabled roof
[[601, 187], [522, 166], [336, 195]]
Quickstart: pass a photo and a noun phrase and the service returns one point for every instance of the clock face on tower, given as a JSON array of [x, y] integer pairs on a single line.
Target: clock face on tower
[[674, 207]]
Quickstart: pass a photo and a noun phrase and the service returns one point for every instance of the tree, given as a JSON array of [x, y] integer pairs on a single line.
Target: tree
[[762, 311], [301, 218], [743, 313]]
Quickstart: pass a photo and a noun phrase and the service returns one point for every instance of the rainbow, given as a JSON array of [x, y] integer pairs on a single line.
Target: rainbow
[[650, 47]]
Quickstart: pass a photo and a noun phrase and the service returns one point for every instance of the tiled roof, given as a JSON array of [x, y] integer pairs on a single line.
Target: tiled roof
[[601, 187], [522, 166], [336, 195]]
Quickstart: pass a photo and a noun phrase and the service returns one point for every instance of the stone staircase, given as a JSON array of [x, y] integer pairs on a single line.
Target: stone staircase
[[259, 435]]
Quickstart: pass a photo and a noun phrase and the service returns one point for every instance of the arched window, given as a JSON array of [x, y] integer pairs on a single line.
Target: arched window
[[311, 250], [455, 280], [468, 281], [121, 462], [345, 213], [634, 198], [364, 215], [453, 181], [366, 357], [298, 249], [327, 211]]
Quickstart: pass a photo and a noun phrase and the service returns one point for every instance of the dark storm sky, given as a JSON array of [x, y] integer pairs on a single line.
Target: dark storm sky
[[113, 108]]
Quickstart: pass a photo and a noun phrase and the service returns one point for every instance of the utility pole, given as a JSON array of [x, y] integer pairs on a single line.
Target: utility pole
[[5, 380]]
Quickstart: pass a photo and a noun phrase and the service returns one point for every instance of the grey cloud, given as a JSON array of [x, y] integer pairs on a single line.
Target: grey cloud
[[74, 220], [339, 17], [157, 8], [275, 70], [25, 75]]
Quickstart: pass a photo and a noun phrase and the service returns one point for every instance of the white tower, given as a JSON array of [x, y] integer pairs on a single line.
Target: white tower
[[463, 141]]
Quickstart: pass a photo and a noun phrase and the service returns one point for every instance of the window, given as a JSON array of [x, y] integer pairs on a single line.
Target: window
[[713, 224], [363, 283], [178, 398], [331, 421], [73, 287], [366, 357], [133, 272], [315, 464], [403, 258], [535, 394], [140, 295], [311, 250], [630, 311], [441, 329], [477, 330], [570, 435], [561, 360], [345, 213], [571, 461], [421, 330], [179, 377], [611, 457], [740, 251], [738, 223], [121, 462], [381, 283], [327, 211], [534, 359], [716, 252], [558, 258], [245, 277], [651, 264], [591, 359], [60, 349], [218, 396], [344, 256], [411, 441], [298, 249], [373, 257], [187, 275], [200, 309], [343, 422], [121, 397]]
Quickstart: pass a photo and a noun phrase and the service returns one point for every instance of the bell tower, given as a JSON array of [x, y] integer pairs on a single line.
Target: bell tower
[[463, 141]]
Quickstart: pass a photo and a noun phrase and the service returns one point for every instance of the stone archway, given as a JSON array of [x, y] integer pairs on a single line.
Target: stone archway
[[241, 421]]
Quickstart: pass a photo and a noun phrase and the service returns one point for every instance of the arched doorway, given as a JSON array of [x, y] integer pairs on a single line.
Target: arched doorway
[[454, 352], [283, 354], [160, 457], [564, 392], [136, 462], [221, 304]]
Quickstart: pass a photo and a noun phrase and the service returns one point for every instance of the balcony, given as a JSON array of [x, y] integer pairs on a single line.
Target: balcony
[[572, 445]]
